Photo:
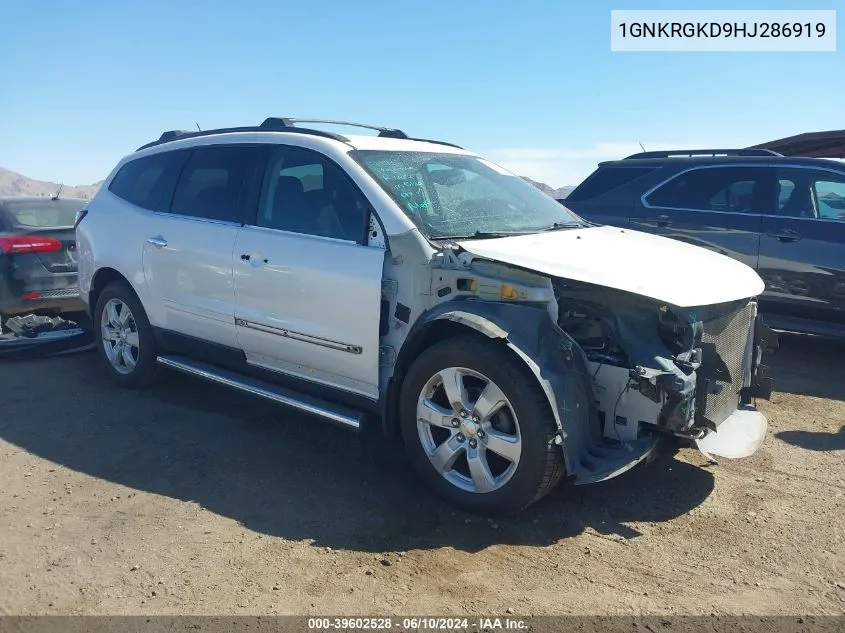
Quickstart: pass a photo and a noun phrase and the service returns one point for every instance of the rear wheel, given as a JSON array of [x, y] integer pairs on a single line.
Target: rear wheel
[[125, 338], [478, 429]]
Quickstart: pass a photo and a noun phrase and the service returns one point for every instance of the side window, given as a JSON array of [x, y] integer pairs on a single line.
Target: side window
[[731, 189], [830, 194], [304, 192], [810, 193], [606, 179], [149, 182], [215, 183]]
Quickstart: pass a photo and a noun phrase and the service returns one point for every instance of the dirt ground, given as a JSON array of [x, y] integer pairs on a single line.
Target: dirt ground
[[192, 499]]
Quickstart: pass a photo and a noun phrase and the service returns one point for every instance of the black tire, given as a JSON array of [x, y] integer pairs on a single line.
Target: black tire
[[146, 371], [541, 464]]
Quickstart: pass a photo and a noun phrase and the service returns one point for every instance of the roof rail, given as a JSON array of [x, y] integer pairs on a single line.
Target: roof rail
[[703, 152], [173, 135], [286, 124]]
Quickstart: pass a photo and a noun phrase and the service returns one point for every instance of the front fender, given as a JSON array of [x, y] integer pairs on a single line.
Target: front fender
[[551, 355]]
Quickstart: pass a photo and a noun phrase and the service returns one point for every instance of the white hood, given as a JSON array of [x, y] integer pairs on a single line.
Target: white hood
[[657, 267]]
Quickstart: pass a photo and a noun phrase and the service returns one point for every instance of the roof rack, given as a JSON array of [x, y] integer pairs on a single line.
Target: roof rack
[[172, 135], [286, 124], [384, 132], [703, 152]]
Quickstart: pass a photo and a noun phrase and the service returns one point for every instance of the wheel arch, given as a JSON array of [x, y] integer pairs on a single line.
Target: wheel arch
[[490, 321], [102, 278]]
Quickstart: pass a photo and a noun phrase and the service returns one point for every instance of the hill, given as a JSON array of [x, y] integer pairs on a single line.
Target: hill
[[15, 184]]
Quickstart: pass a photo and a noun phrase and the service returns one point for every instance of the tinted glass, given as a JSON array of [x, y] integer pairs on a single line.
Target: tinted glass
[[44, 213], [733, 189], [810, 193], [304, 192], [606, 179], [454, 195], [149, 182], [215, 182]]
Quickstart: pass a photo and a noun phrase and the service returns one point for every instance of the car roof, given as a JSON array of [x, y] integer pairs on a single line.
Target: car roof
[[389, 139], [693, 161]]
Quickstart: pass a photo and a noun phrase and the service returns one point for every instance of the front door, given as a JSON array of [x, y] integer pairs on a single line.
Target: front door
[[718, 208], [802, 249], [307, 286]]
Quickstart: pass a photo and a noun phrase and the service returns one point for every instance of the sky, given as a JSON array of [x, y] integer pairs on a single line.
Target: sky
[[532, 84]]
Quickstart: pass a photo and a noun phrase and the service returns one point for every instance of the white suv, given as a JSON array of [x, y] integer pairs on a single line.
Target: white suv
[[410, 284]]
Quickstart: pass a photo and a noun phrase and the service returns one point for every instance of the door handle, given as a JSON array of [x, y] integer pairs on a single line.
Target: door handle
[[158, 242], [786, 235], [247, 257], [663, 220]]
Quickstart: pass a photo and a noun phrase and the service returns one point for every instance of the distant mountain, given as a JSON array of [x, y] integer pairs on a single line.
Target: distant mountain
[[557, 194], [14, 184]]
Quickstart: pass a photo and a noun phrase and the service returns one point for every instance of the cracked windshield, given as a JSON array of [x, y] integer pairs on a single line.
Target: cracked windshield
[[456, 196]]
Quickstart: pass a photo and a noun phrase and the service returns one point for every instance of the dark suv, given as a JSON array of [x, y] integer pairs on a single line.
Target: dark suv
[[784, 216]]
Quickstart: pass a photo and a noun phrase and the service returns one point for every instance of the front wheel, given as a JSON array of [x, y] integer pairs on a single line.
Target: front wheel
[[477, 427]]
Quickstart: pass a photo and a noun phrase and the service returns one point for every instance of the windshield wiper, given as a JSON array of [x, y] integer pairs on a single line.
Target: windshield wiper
[[564, 225], [482, 235]]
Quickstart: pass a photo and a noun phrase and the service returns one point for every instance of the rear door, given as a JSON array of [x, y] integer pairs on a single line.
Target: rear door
[[802, 250], [718, 208], [187, 257]]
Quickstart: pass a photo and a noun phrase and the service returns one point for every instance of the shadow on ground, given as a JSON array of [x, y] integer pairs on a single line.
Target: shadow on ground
[[815, 441], [809, 366], [290, 476]]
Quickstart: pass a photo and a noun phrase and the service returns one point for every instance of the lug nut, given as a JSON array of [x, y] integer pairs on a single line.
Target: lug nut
[[475, 418], [461, 437], [480, 435], [473, 443], [464, 414], [456, 422]]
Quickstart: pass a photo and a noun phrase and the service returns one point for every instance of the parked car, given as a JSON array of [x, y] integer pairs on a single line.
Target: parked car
[[38, 255], [416, 286], [783, 216]]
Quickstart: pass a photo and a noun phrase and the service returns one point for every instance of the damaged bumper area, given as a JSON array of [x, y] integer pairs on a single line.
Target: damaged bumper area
[[622, 371], [35, 336], [692, 373]]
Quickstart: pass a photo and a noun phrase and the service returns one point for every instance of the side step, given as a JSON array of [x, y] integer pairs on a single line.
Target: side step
[[342, 416]]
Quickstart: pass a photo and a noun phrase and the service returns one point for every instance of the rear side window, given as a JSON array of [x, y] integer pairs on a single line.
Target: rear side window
[[732, 189], [215, 182], [149, 182], [606, 179]]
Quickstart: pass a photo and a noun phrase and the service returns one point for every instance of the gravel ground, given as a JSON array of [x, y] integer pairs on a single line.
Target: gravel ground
[[192, 499]]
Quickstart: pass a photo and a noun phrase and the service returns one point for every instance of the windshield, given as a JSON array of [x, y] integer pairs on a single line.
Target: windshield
[[44, 213], [454, 195]]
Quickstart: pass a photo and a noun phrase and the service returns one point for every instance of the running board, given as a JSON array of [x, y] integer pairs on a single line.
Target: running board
[[342, 416]]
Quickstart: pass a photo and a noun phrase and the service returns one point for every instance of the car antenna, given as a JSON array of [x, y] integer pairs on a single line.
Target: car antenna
[[641, 146], [198, 127], [56, 197]]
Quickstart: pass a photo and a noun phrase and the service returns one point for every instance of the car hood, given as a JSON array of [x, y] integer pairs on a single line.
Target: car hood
[[657, 267]]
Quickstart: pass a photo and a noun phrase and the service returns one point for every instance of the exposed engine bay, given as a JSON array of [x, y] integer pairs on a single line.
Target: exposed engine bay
[[653, 366]]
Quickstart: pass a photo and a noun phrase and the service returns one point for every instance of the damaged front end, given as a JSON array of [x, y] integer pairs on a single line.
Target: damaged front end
[[689, 372]]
